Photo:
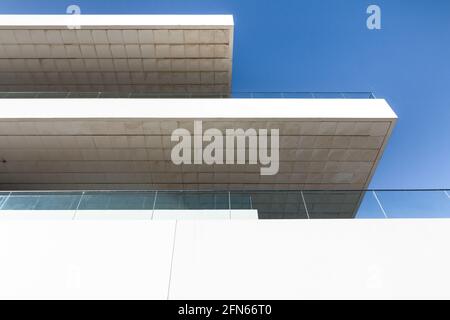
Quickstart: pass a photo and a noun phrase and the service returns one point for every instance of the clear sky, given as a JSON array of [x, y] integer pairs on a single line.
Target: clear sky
[[324, 45]]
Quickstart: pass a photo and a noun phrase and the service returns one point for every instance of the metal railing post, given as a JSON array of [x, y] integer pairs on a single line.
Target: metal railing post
[[229, 202], [78, 205], [6, 199], [304, 204], [154, 203], [379, 204]]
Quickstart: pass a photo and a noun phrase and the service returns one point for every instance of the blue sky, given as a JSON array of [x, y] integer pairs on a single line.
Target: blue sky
[[324, 45]]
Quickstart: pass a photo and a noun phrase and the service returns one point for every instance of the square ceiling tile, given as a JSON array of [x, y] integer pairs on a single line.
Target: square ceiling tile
[[130, 36]]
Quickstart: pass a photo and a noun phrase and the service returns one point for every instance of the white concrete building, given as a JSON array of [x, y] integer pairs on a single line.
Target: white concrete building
[[88, 107]]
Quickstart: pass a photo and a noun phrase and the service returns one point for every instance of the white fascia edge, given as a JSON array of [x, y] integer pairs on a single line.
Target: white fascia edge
[[138, 20], [288, 109]]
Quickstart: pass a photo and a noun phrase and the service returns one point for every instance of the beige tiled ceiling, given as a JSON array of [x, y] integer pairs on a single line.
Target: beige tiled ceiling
[[130, 58], [135, 153]]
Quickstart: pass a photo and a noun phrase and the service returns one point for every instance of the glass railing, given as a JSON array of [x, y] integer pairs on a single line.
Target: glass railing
[[137, 95], [291, 204]]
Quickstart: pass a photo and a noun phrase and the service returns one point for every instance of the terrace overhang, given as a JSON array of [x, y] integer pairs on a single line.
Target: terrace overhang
[[116, 53], [126, 143]]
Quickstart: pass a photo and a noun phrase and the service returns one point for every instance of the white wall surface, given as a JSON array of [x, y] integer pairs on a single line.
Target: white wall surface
[[123, 20], [289, 259], [287, 109], [128, 214]]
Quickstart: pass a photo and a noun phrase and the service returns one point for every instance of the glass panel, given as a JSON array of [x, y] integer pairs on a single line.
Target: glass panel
[[117, 200], [21, 95], [144, 95], [298, 95], [357, 95], [369, 208], [271, 204], [21, 203], [83, 95], [265, 95], [44, 95], [201, 95], [332, 204], [415, 204], [186, 95], [114, 95], [240, 201], [241, 95], [189, 200], [3, 198], [42, 201], [328, 95]]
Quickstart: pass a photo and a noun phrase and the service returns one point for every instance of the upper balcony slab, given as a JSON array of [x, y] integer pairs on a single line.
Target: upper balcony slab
[[116, 53]]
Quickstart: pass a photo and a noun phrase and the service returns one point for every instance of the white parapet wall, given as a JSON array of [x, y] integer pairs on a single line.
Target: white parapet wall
[[277, 259], [67, 215]]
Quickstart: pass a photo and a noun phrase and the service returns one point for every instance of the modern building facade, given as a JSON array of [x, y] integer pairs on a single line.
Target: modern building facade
[[92, 110], [92, 103]]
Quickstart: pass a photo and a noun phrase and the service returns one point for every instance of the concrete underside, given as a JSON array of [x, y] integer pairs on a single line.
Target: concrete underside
[[125, 143], [116, 53]]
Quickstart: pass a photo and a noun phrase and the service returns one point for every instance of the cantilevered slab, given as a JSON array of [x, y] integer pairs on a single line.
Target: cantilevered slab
[[125, 143], [325, 144], [127, 53]]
